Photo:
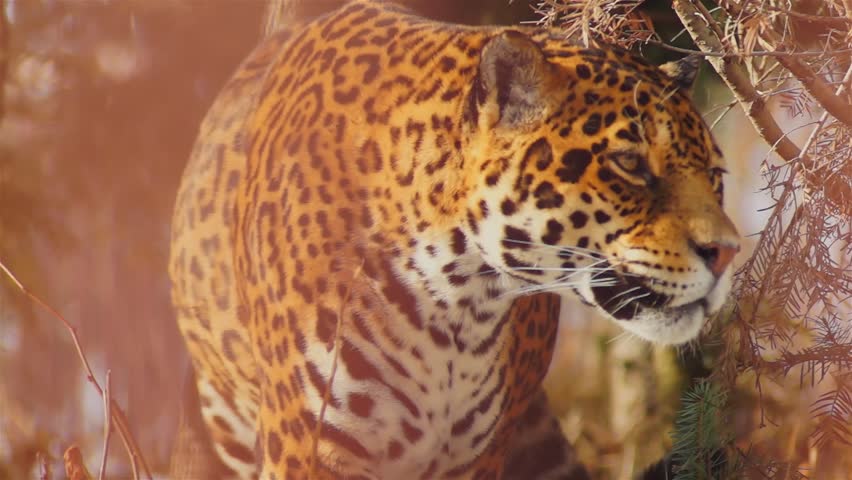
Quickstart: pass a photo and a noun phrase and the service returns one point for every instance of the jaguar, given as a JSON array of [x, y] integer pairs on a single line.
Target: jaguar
[[381, 215]]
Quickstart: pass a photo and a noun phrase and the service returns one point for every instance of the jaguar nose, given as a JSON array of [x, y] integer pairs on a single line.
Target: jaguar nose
[[716, 255]]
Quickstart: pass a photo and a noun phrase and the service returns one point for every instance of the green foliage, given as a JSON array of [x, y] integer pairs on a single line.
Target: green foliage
[[699, 438]]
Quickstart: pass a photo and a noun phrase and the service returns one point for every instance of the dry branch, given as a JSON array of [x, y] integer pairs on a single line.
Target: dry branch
[[817, 87], [738, 54], [107, 426], [734, 74], [116, 414], [338, 339], [833, 21]]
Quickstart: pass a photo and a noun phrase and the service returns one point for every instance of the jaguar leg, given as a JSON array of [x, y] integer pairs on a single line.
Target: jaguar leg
[[193, 455], [539, 449]]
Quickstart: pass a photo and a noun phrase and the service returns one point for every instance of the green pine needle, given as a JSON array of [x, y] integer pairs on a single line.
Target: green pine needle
[[699, 439]]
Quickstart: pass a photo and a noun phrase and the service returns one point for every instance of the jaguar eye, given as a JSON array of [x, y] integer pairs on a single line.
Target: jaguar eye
[[716, 179], [632, 165], [628, 161]]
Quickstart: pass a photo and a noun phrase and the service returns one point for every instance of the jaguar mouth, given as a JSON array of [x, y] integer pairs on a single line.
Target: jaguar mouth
[[657, 317], [625, 296]]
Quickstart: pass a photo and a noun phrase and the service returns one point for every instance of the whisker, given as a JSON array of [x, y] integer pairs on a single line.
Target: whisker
[[552, 269], [624, 335], [579, 251], [628, 302], [592, 267], [629, 290], [554, 286], [669, 94]]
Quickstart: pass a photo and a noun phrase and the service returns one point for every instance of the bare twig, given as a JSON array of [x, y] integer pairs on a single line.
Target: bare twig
[[738, 54], [586, 24], [338, 338], [816, 86], [107, 426], [711, 23], [591, 21], [725, 111], [818, 89], [735, 75], [118, 417], [833, 21], [824, 117]]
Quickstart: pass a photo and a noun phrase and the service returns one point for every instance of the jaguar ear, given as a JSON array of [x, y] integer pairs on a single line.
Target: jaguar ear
[[683, 71], [510, 85]]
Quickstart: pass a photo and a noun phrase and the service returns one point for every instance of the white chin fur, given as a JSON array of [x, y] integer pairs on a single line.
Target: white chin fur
[[669, 326]]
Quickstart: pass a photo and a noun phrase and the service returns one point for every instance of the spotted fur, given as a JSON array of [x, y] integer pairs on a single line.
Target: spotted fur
[[379, 214]]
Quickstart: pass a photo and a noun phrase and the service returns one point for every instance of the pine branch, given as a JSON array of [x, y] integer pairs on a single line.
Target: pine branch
[[832, 412], [754, 466], [814, 361], [698, 439]]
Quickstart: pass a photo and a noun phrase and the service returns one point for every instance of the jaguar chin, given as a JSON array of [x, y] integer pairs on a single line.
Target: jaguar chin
[[651, 315]]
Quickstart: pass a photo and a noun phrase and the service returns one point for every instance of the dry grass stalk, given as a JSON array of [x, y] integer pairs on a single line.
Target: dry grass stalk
[[107, 426], [116, 414], [338, 338]]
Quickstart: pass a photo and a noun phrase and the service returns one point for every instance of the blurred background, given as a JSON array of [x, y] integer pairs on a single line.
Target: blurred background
[[101, 104]]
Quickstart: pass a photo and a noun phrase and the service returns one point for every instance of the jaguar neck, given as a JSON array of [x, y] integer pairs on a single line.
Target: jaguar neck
[[462, 300]]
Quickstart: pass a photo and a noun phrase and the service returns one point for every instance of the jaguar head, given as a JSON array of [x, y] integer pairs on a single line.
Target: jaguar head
[[601, 178]]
